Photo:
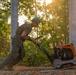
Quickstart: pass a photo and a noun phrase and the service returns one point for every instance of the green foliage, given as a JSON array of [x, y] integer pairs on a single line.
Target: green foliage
[[34, 56], [60, 19], [54, 27], [26, 7], [4, 29]]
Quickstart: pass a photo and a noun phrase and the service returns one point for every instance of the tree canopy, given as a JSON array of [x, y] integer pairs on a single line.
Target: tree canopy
[[53, 28]]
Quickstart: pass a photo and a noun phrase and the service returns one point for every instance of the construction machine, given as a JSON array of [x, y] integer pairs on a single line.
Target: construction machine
[[63, 56]]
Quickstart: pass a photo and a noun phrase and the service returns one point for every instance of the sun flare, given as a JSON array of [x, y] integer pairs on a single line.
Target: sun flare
[[47, 1]]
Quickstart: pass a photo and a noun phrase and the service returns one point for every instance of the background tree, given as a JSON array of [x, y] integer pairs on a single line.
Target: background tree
[[54, 27], [4, 28]]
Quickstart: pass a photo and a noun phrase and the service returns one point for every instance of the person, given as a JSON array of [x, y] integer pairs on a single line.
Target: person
[[18, 53]]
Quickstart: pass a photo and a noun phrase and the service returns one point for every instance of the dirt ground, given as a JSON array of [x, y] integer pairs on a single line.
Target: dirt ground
[[21, 70]]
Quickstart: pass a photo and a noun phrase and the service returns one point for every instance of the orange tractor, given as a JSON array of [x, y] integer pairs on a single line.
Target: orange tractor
[[63, 55]]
